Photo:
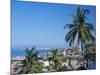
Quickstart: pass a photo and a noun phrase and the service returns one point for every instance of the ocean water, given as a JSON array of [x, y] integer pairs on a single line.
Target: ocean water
[[18, 52]]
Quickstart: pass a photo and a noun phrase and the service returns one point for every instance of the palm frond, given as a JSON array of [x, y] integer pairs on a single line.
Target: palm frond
[[68, 26], [89, 26]]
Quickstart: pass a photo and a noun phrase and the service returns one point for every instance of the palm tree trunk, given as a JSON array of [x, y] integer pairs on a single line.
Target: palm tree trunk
[[81, 47], [70, 63], [83, 55]]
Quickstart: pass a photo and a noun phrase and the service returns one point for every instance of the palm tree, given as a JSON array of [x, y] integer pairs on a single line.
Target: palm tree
[[30, 61], [55, 58], [80, 30], [49, 58]]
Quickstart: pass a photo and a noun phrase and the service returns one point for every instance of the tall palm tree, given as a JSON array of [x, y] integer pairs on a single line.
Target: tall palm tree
[[31, 59], [80, 30]]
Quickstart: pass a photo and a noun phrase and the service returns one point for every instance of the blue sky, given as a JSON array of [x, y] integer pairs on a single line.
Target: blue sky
[[42, 24]]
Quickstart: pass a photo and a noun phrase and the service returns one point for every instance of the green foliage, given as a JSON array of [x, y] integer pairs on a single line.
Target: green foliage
[[30, 63], [37, 67], [80, 28], [56, 58]]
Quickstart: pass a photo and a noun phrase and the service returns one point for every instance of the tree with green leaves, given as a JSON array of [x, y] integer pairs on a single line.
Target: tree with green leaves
[[30, 64], [56, 58], [80, 30]]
